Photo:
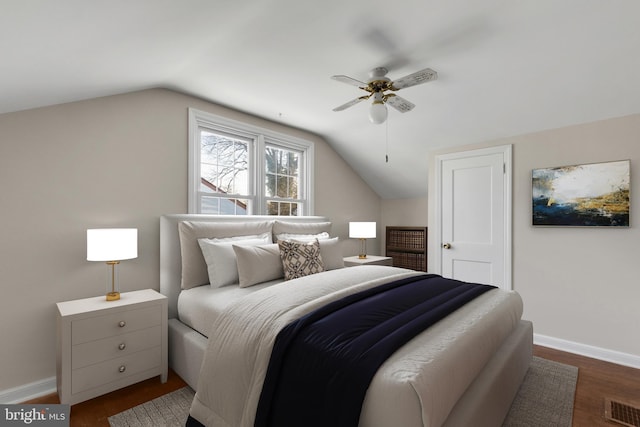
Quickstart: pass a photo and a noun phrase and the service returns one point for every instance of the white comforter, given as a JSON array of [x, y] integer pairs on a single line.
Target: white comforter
[[417, 386]]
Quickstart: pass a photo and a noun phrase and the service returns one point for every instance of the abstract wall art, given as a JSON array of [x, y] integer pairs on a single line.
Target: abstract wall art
[[594, 194]]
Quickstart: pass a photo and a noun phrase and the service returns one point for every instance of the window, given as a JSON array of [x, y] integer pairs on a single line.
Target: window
[[282, 177], [240, 169]]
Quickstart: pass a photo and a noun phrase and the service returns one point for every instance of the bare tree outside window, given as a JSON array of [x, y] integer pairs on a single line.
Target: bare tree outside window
[[224, 163], [224, 172]]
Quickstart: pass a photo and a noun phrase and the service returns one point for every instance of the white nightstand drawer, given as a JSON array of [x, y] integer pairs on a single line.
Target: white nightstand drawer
[[114, 369], [95, 328], [92, 352]]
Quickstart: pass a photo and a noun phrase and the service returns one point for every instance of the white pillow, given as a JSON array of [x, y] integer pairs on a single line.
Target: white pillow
[[221, 259], [280, 227], [257, 264], [331, 252], [306, 238]]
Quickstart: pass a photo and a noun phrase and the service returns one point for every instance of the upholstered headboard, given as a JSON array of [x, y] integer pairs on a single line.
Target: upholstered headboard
[[170, 254]]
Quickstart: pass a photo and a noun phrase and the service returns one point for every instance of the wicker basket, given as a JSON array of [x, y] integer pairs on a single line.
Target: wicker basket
[[408, 247]]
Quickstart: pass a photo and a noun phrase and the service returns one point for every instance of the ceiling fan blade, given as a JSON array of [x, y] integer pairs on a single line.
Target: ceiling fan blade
[[413, 79], [350, 103], [399, 103], [350, 81]]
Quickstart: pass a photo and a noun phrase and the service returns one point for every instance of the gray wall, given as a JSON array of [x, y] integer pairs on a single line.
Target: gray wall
[[118, 161], [402, 212], [579, 285]]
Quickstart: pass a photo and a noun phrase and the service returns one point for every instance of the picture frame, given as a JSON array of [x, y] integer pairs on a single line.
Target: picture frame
[[586, 195]]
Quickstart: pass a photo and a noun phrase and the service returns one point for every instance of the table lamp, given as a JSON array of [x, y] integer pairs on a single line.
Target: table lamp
[[112, 245], [362, 231]]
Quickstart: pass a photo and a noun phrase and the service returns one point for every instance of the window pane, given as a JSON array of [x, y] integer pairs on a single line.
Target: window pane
[[272, 208], [293, 163], [283, 187], [283, 171], [224, 163], [293, 187], [282, 208], [224, 206], [271, 157], [270, 184]]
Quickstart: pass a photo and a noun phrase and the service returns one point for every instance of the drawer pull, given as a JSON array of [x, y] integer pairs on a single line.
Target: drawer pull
[[122, 368], [122, 346], [122, 324]]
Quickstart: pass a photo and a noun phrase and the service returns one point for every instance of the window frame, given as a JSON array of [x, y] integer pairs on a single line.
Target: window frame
[[262, 137]]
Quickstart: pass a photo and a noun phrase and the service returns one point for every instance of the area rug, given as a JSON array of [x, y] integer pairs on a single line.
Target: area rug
[[544, 399]]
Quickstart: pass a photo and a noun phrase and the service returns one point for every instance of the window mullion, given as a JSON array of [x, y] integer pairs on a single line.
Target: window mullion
[[260, 176]]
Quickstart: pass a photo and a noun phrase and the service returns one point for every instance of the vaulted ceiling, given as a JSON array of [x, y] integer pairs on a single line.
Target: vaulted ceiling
[[506, 67]]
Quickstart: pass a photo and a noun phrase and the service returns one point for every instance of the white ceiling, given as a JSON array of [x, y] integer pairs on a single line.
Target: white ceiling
[[506, 67]]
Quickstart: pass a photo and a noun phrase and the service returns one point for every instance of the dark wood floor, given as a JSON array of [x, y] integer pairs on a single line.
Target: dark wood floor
[[597, 380], [95, 412]]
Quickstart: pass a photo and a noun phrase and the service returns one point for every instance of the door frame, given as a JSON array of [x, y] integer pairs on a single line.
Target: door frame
[[506, 151]]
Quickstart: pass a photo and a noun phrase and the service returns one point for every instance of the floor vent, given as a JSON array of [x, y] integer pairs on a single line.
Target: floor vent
[[622, 413]]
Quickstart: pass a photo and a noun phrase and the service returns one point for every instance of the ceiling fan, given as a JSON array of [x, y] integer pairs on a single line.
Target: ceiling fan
[[377, 86]]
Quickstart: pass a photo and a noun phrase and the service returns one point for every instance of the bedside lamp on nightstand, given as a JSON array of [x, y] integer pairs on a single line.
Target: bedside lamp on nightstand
[[362, 231], [112, 245]]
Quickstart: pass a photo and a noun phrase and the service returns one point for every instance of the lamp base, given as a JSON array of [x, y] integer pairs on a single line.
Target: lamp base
[[113, 296], [363, 249], [113, 286]]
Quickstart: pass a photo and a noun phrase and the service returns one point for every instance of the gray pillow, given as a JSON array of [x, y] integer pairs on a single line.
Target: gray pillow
[[257, 264], [194, 267]]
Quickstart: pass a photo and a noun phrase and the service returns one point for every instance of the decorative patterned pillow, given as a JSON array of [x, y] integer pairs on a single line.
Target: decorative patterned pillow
[[300, 259]]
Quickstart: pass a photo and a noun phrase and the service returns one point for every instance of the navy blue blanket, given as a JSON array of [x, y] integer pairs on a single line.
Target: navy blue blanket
[[321, 365]]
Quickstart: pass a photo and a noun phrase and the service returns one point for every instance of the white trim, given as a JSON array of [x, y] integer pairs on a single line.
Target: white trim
[[193, 162], [29, 391], [599, 353], [507, 153]]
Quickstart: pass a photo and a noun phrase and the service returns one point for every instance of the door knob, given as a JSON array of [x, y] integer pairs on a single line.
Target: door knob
[[447, 246]]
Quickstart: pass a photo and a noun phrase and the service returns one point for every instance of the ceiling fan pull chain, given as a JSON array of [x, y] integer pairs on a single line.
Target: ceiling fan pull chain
[[386, 148]]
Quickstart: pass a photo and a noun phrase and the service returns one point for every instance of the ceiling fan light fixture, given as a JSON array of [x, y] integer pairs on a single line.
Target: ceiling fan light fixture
[[378, 84], [378, 112]]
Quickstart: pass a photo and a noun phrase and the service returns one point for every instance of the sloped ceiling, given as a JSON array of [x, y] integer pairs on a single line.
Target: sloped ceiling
[[505, 67]]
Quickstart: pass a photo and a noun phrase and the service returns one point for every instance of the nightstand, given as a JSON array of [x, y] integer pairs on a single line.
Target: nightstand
[[106, 345], [352, 261]]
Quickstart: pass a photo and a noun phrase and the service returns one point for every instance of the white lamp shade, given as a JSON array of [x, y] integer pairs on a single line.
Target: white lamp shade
[[362, 230], [377, 113], [112, 244]]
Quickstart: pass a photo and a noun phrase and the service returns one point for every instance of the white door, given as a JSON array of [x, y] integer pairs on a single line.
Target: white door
[[473, 243]]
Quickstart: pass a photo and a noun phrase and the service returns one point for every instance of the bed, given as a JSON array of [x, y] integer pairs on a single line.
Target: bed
[[475, 358]]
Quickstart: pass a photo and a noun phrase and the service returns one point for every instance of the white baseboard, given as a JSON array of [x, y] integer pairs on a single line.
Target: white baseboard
[[612, 356], [28, 391]]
